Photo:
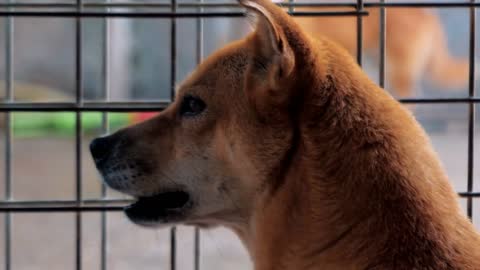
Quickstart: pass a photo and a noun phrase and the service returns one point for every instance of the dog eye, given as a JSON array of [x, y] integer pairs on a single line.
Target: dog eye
[[192, 106]]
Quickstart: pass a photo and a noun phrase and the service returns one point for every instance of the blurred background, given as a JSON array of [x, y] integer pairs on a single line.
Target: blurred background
[[140, 59]]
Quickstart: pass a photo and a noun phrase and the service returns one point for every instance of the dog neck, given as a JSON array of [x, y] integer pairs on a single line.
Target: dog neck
[[302, 220], [347, 200], [295, 229]]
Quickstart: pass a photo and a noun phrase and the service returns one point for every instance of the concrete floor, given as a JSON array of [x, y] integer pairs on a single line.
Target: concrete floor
[[44, 169]]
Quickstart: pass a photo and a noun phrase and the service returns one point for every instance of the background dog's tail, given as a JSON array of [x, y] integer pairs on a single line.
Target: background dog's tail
[[444, 69]]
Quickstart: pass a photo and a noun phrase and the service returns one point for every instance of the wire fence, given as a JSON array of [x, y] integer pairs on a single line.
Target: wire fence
[[80, 10]]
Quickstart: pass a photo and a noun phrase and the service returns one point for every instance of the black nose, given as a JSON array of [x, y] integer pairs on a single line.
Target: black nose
[[100, 149]]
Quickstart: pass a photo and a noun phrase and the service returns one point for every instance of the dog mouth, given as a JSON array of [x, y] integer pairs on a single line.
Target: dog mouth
[[164, 207]]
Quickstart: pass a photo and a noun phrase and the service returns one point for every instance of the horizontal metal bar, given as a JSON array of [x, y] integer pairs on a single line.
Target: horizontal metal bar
[[139, 4], [157, 106], [85, 107], [440, 100], [90, 206], [97, 202], [64, 206], [469, 194], [437, 4], [53, 209], [153, 14]]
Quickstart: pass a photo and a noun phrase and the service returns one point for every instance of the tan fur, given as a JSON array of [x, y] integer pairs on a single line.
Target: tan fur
[[306, 159], [416, 46]]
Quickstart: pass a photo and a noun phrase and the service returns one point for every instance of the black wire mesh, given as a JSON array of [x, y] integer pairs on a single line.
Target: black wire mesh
[[85, 9]]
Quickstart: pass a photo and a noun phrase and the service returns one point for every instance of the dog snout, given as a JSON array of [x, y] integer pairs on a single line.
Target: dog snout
[[100, 148]]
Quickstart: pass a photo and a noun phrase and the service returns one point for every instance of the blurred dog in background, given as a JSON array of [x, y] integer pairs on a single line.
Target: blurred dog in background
[[416, 45]]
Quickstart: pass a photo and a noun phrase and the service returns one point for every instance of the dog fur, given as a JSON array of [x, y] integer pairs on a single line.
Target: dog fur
[[298, 152]]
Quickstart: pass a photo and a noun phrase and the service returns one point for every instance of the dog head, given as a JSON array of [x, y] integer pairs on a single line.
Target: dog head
[[206, 158]]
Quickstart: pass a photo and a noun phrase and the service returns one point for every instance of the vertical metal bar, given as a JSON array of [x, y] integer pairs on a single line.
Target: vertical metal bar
[[173, 74], [359, 32], [105, 129], [196, 262], [200, 49], [173, 51], [290, 8], [383, 43], [173, 248], [9, 97], [78, 136], [471, 110]]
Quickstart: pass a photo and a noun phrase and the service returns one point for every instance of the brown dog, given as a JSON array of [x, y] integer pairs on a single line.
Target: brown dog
[[283, 139], [416, 46]]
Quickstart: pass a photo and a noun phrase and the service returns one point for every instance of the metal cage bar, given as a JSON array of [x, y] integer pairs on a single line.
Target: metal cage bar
[[220, 4], [105, 129], [78, 136], [154, 14], [96, 205], [471, 111], [383, 44], [199, 56], [173, 78], [359, 8], [160, 105], [85, 9], [9, 97]]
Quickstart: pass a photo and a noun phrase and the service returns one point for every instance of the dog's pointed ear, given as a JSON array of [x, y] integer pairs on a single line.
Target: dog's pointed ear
[[272, 60]]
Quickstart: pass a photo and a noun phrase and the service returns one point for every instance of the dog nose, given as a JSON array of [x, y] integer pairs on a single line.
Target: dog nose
[[100, 149]]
